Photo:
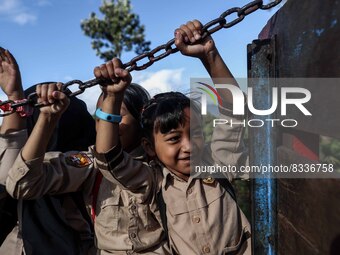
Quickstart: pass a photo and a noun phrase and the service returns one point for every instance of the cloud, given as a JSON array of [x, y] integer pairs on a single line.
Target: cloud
[[16, 11], [90, 97], [153, 82], [68, 78], [8, 5], [24, 18], [161, 81]]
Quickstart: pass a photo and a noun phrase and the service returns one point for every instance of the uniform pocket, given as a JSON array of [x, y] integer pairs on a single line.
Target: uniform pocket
[[109, 214], [182, 206], [147, 218], [241, 245]]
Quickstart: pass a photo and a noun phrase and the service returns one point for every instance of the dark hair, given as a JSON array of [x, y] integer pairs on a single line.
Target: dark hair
[[75, 129], [135, 97], [164, 112]]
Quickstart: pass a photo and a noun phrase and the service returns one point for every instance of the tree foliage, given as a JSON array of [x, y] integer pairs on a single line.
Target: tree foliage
[[330, 151], [119, 30]]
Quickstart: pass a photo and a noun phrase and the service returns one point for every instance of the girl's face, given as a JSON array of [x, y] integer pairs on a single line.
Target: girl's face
[[129, 130], [177, 150]]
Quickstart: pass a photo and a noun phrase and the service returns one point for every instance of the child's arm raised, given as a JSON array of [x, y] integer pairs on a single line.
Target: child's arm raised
[[113, 94], [12, 133], [189, 42], [227, 141], [35, 173], [10, 82], [56, 103], [116, 165]]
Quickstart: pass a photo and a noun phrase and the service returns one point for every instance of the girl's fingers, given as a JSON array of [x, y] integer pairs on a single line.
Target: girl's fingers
[[58, 95], [10, 57], [51, 88], [2, 54], [123, 74], [188, 32], [110, 70], [180, 38], [44, 94], [97, 72], [38, 92], [104, 72], [197, 26], [116, 64], [59, 86]]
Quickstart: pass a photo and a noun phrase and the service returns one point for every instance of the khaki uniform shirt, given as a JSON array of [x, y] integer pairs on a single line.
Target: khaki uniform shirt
[[202, 217], [10, 146], [124, 224]]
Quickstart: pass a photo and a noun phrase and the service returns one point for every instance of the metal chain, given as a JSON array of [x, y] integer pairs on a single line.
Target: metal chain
[[152, 56]]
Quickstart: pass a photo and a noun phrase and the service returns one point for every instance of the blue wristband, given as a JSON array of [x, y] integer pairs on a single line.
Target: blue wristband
[[108, 117]]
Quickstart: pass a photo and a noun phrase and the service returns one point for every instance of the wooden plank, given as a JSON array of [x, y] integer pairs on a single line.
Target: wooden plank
[[308, 215], [291, 240], [308, 211]]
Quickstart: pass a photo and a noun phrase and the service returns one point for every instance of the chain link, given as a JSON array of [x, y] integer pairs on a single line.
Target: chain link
[[152, 56]]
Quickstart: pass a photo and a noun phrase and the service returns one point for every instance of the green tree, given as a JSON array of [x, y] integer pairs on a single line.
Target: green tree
[[119, 30], [330, 151]]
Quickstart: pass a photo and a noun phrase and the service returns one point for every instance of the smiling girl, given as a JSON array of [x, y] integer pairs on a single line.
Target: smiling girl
[[202, 217]]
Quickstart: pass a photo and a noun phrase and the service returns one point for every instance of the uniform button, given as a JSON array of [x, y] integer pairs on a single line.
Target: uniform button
[[133, 235], [21, 170], [196, 219], [206, 249]]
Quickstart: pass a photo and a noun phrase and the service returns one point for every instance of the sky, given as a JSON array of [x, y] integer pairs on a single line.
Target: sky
[[46, 39]]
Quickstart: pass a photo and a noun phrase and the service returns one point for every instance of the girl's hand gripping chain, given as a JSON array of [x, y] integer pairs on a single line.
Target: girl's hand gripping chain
[[56, 103], [121, 78], [10, 82], [189, 42], [113, 94]]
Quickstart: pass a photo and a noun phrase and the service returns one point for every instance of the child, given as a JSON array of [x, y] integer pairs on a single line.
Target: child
[[202, 217], [38, 220], [124, 224], [12, 138], [64, 214], [10, 82]]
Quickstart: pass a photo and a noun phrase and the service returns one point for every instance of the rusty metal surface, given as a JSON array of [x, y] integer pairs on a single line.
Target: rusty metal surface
[[308, 45], [262, 145], [308, 36]]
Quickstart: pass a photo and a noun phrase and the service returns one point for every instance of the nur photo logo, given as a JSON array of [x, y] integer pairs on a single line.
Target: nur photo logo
[[295, 97]]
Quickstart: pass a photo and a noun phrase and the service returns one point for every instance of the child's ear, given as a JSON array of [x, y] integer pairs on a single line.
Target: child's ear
[[148, 147]]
